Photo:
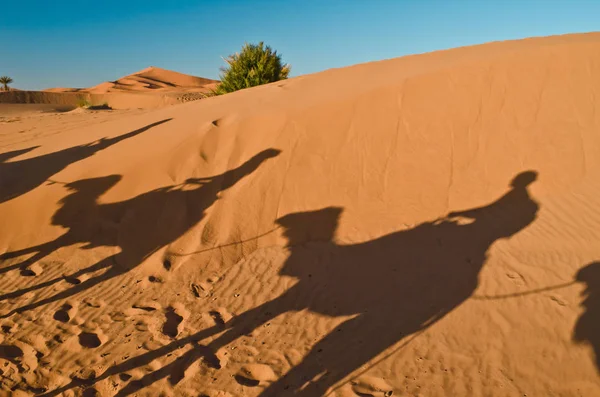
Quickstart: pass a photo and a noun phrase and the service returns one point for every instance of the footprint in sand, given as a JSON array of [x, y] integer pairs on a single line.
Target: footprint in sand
[[201, 290], [171, 326], [65, 313], [246, 382], [12, 354], [155, 279], [371, 386], [220, 316], [90, 392], [252, 375], [89, 340], [32, 270], [93, 302], [22, 355]]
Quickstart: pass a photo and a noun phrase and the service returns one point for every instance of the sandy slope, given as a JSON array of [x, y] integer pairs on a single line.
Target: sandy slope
[[429, 230]]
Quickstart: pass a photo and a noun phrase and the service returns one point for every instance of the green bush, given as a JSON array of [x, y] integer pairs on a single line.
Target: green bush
[[83, 103], [256, 64]]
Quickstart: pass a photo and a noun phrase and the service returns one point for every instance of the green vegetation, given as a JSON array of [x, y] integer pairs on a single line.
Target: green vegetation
[[82, 102], [256, 64], [5, 81]]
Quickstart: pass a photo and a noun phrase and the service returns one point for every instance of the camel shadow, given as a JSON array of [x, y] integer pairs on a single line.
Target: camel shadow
[[395, 286], [22, 176], [139, 226], [587, 328]]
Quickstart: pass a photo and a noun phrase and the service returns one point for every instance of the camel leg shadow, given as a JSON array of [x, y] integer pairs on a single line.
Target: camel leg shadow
[[349, 346], [41, 251], [236, 328], [113, 271]]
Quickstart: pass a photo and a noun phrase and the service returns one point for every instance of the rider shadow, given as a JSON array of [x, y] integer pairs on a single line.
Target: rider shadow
[[395, 286], [22, 176], [587, 328], [139, 226]]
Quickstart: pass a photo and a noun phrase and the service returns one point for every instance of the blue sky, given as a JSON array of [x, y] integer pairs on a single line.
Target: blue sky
[[81, 43]]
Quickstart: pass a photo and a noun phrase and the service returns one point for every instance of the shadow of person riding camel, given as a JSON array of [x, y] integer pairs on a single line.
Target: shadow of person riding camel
[[22, 176], [139, 226], [395, 286]]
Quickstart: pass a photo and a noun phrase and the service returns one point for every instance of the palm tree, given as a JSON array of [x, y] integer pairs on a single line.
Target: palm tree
[[5, 80]]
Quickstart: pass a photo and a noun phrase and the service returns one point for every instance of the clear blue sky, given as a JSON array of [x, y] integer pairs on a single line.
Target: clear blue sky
[[81, 43]]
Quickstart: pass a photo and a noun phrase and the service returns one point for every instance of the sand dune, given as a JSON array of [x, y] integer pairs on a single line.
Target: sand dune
[[149, 88], [432, 229], [149, 79]]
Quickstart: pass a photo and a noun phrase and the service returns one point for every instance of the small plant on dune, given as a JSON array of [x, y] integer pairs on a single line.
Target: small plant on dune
[[5, 81], [254, 65], [83, 103]]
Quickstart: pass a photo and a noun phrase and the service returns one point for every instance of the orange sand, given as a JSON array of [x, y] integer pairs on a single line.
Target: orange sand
[[432, 229]]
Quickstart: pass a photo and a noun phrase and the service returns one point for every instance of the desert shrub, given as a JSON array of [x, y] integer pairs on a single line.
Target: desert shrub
[[82, 102], [254, 65]]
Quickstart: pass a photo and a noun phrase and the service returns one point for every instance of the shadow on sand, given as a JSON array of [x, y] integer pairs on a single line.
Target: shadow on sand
[[587, 328], [139, 226], [396, 286], [22, 176]]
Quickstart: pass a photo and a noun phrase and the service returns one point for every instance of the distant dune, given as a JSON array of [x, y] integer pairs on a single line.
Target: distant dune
[[421, 226], [151, 79], [148, 88]]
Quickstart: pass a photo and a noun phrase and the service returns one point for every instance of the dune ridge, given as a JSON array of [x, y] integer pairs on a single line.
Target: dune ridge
[[149, 79], [431, 229]]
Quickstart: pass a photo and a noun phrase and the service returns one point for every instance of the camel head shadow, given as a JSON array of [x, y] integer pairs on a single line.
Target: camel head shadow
[[15, 153], [22, 176]]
